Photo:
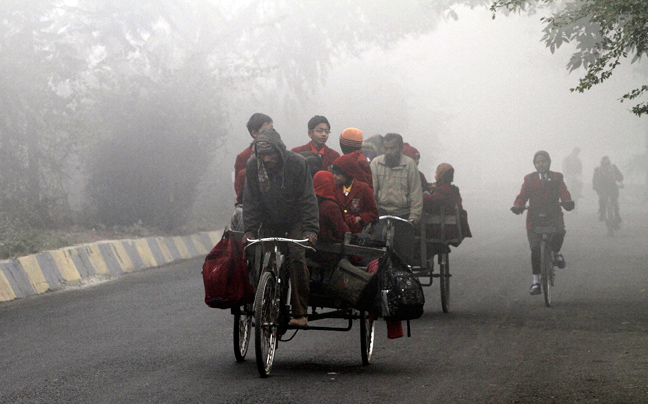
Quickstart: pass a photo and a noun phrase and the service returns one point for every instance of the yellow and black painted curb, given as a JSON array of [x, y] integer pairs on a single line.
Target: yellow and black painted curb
[[53, 270]]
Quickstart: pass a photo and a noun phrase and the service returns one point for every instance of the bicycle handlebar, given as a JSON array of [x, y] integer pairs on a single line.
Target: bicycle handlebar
[[563, 203], [252, 241], [394, 217]]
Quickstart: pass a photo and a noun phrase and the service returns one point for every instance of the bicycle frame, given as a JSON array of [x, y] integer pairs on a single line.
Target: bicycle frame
[[541, 222]]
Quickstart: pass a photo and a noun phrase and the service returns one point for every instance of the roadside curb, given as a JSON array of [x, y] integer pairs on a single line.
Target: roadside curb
[[54, 270]]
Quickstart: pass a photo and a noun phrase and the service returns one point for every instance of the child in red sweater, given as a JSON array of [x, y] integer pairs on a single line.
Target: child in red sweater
[[355, 197]]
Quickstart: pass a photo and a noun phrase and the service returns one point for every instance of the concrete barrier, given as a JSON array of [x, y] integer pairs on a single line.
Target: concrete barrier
[[56, 269]]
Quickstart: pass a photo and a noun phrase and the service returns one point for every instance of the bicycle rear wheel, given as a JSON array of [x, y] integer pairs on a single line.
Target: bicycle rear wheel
[[444, 278], [546, 267], [366, 336], [266, 318], [242, 331], [610, 221]]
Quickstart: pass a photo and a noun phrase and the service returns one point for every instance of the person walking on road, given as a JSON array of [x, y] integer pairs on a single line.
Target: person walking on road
[[573, 172]]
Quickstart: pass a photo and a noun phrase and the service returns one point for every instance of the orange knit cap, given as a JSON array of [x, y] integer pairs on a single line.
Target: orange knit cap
[[351, 137]]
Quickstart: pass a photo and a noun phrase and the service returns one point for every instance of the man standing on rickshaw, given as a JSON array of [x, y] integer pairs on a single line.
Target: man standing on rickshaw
[[280, 199]]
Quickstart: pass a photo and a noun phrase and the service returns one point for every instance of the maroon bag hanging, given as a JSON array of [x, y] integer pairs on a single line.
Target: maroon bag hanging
[[225, 275]]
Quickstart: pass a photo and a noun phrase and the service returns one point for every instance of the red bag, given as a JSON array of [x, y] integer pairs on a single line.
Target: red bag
[[225, 274]]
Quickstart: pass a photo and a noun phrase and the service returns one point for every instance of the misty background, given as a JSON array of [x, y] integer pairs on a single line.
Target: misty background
[[117, 114]]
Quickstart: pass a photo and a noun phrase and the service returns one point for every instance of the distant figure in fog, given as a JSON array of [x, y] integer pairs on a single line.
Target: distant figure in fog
[[573, 171], [413, 153], [543, 189], [373, 147], [604, 183], [442, 197]]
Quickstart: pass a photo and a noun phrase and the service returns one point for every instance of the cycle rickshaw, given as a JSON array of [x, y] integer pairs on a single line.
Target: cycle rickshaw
[[419, 248], [269, 315]]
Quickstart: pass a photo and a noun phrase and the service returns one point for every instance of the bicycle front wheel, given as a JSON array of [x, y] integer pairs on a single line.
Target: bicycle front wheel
[[242, 331], [546, 267], [444, 277], [266, 318]]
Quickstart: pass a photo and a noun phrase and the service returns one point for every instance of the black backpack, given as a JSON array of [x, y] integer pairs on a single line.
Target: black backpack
[[401, 294]]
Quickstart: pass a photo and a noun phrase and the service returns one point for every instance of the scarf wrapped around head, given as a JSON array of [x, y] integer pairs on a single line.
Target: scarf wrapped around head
[[263, 148], [324, 184], [268, 142], [444, 174]]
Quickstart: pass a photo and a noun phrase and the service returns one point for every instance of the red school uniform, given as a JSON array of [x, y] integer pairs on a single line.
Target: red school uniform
[[331, 219], [364, 172], [543, 196], [241, 160], [359, 201], [327, 154]]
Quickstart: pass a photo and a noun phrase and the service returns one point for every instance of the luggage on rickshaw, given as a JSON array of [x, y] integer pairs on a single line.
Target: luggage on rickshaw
[[225, 275], [401, 293]]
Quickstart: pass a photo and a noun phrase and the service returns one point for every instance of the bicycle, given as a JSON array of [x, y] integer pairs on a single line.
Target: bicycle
[[609, 216], [271, 306], [542, 225], [422, 260], [271, 310]]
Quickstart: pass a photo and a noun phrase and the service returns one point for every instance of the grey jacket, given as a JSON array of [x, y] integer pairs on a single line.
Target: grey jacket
[[397, 189], [291, 197]]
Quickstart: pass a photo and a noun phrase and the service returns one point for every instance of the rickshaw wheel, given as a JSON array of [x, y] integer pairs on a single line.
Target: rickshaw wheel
[[266, 318], [242, 331], [444, 277], [367, 326]]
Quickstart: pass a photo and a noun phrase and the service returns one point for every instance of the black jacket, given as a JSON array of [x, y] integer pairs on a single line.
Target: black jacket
[[291, 197]]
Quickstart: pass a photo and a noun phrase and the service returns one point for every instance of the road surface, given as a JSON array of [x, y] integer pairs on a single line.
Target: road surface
[[148, 337]]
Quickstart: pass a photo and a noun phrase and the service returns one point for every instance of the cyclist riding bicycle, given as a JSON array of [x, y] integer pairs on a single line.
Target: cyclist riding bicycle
[[544, 189], [604, 183], [280, 199]]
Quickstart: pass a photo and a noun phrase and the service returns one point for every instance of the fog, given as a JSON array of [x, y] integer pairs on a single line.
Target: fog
[[482, 94], [124, 113]]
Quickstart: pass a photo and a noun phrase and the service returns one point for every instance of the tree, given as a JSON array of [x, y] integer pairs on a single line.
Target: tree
[[605, 32], [84, 80]]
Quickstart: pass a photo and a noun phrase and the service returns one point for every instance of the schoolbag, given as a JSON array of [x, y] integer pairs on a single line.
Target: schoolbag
[[225, 275], [401, 294]]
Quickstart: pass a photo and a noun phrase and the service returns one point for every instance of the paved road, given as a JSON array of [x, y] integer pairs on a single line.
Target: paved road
[[148, 337]]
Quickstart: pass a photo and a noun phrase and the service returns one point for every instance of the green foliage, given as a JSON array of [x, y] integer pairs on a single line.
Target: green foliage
[[17, 237], [605, 32]]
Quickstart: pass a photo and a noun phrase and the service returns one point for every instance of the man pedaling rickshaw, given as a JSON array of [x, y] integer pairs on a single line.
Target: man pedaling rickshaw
[[280, 200]]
